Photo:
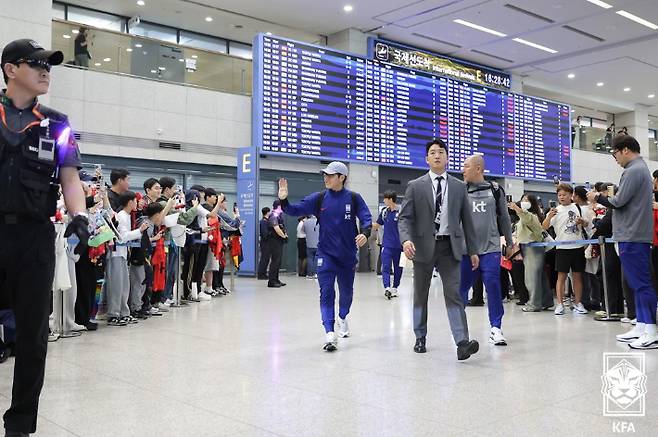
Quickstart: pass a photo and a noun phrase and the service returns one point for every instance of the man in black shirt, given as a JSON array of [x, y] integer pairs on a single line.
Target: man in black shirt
[[38, 153], [120, 179], [264, 233], [277, 239], [81, 48]]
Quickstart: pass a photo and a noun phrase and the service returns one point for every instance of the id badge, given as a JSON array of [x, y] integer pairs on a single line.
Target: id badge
[[204, 236], [46, 149]]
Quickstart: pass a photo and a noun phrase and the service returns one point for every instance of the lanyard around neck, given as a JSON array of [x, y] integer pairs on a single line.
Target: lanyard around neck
[[35, 111]]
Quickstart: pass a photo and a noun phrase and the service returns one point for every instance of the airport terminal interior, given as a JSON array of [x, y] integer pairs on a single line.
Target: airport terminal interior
[[193, 301]]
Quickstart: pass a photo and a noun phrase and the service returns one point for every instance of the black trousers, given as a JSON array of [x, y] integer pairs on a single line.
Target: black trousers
[[614, 280], [148, 292], [27, 268], [190, 260], [518, 281], [276, 250], [85, 276], [265, 256]]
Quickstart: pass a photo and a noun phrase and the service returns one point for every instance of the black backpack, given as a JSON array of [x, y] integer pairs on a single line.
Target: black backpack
[[496, 190], [318, 207]]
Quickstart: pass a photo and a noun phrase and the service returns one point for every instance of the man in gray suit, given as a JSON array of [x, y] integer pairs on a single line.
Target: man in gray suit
[[436, 229]]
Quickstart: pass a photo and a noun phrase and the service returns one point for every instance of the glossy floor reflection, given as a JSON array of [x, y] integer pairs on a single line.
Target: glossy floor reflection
[[251, 364]]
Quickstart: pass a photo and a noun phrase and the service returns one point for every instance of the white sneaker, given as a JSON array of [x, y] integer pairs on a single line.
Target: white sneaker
[[166, 303], [154, 310], [204, 297], [169, 302], [496, 337], [388, 293], [559, 309], [343, 329], [625, 320], [579, 308], [646, 341], [163, 308], [631, 335], [394, 292], [634, 322], [78, 328], [331, 342]]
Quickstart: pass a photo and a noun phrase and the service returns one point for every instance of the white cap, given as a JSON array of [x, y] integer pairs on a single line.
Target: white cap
[[335, 167]]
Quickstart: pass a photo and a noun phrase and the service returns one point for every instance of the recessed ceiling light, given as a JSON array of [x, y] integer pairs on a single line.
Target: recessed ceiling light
[[573, 110], [138, 45], [571, 75], [153, 71], [76, 31], [129, 49], [599, 83], [348, 8], [107, 59], [140, 3], [604, 5], [627, 89], [66, 36], [181, 60], [537, 46], [651, 96], [161, 68], [208, 19], [638, 20], [194, 56], [478, 27], [98, 64]]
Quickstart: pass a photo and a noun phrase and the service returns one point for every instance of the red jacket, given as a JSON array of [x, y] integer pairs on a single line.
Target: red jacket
[[655, 227]]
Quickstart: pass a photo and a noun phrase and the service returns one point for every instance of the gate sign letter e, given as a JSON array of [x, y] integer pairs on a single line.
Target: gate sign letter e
[[246, 163]]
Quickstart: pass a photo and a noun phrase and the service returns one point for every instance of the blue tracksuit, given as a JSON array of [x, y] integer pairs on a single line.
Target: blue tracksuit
[[490, 270], [337, 251], [392, 248]]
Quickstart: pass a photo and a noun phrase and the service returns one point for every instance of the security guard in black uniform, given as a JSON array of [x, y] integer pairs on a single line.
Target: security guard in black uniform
[[37, 153]]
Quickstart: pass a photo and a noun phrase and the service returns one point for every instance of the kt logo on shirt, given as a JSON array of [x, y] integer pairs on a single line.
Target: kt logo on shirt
[[479, 206]]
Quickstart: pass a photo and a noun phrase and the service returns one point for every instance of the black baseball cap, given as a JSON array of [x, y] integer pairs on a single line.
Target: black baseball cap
[[29, 49]]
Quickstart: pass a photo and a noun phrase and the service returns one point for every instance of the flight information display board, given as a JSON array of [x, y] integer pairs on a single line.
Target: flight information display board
[[318, 103]]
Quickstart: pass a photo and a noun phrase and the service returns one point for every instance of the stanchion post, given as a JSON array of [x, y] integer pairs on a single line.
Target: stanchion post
[[608, 317], [177, 298]]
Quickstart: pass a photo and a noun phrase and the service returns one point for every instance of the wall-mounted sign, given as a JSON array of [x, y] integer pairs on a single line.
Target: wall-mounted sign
[[414, 58]]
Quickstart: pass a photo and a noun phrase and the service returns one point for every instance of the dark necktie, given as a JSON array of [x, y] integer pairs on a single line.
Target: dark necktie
[[438, 203]]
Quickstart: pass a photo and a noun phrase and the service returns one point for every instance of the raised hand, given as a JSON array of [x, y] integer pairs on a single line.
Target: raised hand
[[283, 189]]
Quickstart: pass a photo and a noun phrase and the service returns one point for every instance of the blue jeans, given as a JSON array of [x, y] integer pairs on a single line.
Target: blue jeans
[[328, 272], [636, 266], [391, 256], [172, 267], [490, 270], [311, 263]]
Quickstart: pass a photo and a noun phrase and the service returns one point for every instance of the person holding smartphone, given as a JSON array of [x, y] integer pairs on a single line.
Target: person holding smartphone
[[567, 221]]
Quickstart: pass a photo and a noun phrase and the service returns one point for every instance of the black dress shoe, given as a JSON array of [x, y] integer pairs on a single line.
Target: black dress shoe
[[419, 347], [521, 303], [466, 348], [276, 285], [281, 284], [475, 303], [91, 326], [16, 434]]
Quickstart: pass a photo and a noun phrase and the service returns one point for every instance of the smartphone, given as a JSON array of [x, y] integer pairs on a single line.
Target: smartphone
[[509, 198], [552, 204], [556, 180]]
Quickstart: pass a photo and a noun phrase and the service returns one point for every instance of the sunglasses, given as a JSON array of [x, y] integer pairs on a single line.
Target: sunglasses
[[35, 63]]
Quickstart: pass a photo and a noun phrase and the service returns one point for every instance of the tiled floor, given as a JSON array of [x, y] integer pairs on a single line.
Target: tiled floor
[[251, 364]]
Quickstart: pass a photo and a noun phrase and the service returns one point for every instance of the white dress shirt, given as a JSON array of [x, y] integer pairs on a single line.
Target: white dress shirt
[[443, 217]]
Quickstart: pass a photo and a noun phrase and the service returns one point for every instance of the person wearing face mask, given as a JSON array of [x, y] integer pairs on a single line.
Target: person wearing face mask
[[529, 230]]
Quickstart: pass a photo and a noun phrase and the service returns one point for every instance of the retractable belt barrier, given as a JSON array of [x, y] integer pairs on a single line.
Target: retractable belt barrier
[[560, 243]]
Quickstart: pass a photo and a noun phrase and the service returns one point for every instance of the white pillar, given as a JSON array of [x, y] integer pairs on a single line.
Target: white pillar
[[637, 122]]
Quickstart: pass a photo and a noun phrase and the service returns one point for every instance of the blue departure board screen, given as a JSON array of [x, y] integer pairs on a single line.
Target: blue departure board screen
[[318, 103]]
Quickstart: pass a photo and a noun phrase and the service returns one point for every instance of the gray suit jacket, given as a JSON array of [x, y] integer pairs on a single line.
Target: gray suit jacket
[[416, 218]]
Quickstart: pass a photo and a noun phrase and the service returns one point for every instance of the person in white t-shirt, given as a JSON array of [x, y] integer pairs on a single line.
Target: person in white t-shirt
[[567, 222], [117, 279]]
